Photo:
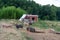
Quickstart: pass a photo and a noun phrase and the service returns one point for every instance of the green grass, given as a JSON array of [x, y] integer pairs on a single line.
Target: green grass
[[44, 24], [29, 38], [25, 37]]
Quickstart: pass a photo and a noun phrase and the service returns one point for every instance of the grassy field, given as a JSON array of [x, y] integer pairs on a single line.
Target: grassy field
[[45, 24], [14, 34], [11, 33]]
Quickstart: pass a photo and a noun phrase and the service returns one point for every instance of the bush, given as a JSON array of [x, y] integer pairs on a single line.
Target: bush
[[11, 12]]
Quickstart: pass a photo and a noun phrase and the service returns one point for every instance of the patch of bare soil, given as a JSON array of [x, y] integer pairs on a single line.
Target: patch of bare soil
[[9, 34], [13, 34], [42, 36]]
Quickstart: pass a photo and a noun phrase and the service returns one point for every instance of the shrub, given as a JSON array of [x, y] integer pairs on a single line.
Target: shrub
[[11, 12]]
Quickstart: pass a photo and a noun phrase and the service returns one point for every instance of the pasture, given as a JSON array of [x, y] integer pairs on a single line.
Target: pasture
[[12, 33], [45, 24]]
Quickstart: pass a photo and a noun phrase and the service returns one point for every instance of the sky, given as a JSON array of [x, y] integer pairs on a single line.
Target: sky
[[44, 2]]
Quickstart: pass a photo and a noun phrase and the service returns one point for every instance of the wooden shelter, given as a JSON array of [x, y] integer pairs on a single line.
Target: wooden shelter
[[32, 17]]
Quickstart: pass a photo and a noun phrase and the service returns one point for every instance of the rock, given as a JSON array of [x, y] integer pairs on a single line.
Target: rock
[[19, 26], [30, 29]]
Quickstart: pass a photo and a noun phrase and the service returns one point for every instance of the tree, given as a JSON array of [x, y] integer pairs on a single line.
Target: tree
[[45, 12], [53, 12], [58, 13]]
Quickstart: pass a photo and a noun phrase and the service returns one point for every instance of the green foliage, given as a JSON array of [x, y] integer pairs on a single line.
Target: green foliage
[[45, 12], [58, 13], [53, 10], [11, 12], [45, 24]]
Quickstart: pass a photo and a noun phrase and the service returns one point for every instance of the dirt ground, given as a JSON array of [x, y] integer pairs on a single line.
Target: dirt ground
[[9, 34], [42, 36], [13, 34]]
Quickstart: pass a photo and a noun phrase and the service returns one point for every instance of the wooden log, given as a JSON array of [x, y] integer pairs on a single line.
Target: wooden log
[[33, 30], [39, 32], [57, 32]]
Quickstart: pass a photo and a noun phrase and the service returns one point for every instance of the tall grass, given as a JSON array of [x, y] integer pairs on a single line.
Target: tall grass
[[11, 12], [47, 24]]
